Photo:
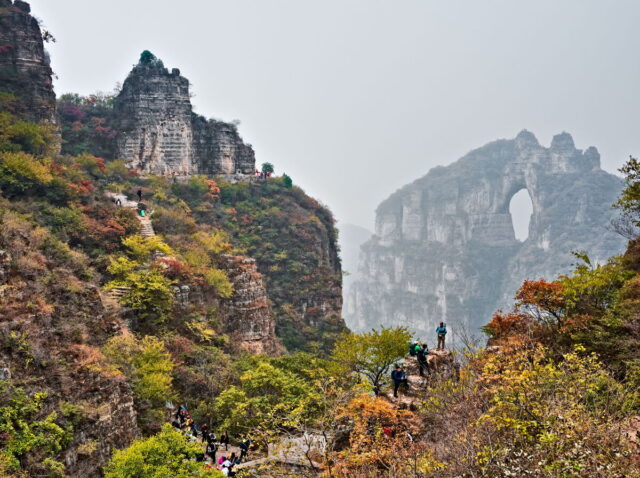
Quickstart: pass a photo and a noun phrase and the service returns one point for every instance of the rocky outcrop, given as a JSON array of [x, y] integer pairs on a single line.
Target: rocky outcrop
[[25, 72], [445, 249], [159, 133], [248, 318]]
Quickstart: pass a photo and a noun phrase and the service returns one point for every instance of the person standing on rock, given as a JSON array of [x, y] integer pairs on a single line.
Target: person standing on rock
[[422, 359], [139, 195], [399, 377], [442, 332]]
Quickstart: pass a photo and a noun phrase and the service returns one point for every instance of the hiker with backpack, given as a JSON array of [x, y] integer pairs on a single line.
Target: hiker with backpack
[[399, 377], [441, 331], [412, 348], [423, 363]]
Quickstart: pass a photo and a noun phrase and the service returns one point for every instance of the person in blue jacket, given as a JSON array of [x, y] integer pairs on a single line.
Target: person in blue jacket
[[398, 376], [442, 333]]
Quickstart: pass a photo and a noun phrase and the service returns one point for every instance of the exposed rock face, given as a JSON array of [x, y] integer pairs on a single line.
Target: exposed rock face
[[249, 321], [445, 249], [158, 132], [24, 66]]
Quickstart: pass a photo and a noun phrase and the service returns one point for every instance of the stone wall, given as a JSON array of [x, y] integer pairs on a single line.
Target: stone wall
[[445, 248], [158, 133]]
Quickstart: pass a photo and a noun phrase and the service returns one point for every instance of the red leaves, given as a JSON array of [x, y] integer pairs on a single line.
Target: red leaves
[[546, 296], [503, 325]]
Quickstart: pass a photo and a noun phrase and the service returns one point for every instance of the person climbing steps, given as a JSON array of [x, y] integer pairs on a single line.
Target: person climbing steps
[[399, 377]]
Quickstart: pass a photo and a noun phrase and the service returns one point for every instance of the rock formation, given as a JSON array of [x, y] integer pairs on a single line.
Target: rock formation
[[159, 133], [249, 321], [25, 72], [445, 249]]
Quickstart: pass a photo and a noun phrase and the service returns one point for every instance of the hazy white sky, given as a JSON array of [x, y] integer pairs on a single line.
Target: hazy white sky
[[355, 98]]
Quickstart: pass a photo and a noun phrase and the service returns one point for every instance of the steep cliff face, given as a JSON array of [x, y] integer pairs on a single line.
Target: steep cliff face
[[52, 323], [445, 249], [158, 132], [294, 242], [25, 72], [248, 318]]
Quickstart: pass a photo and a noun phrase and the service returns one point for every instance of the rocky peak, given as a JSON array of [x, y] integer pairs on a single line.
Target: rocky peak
[[562, 143], [158, 132], [445, 248], [526, 140], [25, 72]]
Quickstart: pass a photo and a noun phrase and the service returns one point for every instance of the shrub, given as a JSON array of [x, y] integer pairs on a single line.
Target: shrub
[[22, 173], [167, 454], [220, 281]]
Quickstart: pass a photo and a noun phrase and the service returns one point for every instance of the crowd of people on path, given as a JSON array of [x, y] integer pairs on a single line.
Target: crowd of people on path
[[420, 352], [225, 463]]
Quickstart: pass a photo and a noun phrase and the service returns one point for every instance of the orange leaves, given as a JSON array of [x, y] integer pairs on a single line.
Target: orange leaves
[[379, 430], [502, 325], [214, 189], [547, 296]]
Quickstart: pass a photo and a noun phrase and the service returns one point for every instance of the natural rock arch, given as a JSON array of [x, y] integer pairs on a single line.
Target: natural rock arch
[[519, 201], [445, 249]]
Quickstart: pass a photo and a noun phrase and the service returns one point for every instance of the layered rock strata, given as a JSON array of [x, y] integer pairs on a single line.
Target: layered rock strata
[[25, 72], [248, 318], [158, 132], [445, 249]]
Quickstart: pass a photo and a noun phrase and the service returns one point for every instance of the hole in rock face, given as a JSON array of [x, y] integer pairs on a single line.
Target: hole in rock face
[[521, 209]]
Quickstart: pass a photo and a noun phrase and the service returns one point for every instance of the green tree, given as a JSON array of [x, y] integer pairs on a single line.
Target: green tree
[[146, 57], [288, 182], [148, 366], [24, 431], [268, 400], [167, 454], [371, 354], [267, 168]]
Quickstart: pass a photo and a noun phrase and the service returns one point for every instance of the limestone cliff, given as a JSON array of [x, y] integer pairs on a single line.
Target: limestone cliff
[[445, 249], [248, 318], [158, 132], [25, 72]]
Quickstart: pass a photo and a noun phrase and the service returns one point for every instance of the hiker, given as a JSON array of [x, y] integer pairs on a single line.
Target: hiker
[[204, 429], [442, 332], [211, 451], [139, 195], [412, 348], [244, 448], [422, 359], [194, 429], [398, 376], [234, 459], [224, 440]]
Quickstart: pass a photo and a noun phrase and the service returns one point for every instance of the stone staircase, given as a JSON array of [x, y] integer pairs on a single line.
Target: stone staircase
[[146, 228]]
